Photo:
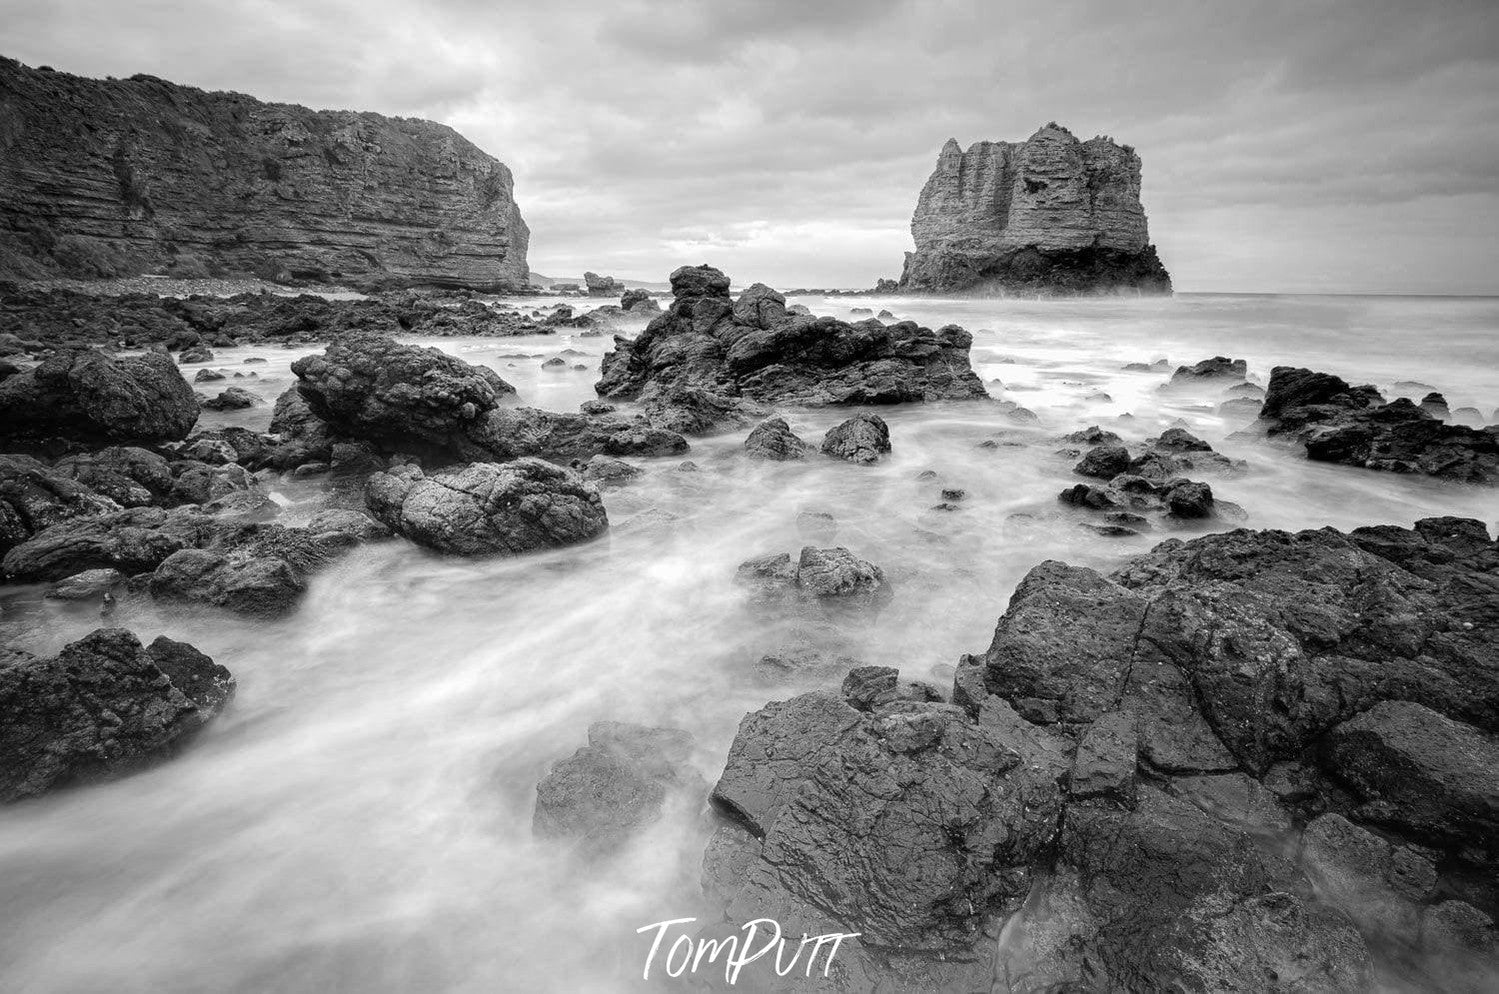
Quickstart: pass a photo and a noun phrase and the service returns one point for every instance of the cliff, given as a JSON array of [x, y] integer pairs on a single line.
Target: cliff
[[121, 177], [1050, 214]]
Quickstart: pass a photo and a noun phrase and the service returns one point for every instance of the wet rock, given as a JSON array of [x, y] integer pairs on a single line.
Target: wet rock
[[34, 496], [208, 376], [260, 570], [1423, 773], [1380, 886], [758, 349], [404, 397], [834, 579], [862, 439], [347, 521], [905, 823], [1189, 499], [232, 399], [1336, 422], [104, 705], [1217, 369], [130, 476], [488, 509], [91, 584], [86, 396], [1104, 461], [133, 541], [816, 526], [614, 787], [195, 354], [1104, 767], [639, 302], [514, 432], [869, 687], [774, 440], [606, 471]]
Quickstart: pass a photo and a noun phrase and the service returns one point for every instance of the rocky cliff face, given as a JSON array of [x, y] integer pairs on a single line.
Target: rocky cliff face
[[119, 177], [1049, 214]]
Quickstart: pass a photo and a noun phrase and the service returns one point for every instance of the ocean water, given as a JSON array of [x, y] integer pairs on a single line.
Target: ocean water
[[359, 820]]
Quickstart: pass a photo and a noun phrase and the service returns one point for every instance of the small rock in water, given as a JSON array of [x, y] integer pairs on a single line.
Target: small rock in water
[[208, 376], [863, 439], [88, 585], [816, 526], [775, 441], [232, 399]]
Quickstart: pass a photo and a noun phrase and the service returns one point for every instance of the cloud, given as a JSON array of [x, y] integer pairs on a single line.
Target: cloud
[[786, 141]]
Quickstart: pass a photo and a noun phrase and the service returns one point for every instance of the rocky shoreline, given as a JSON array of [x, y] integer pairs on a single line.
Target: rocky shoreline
[[1245, 759]]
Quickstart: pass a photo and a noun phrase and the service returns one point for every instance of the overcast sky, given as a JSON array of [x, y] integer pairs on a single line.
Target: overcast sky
[[1305, 145]]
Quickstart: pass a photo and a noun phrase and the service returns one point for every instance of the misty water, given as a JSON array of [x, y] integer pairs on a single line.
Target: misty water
[[359, 819]]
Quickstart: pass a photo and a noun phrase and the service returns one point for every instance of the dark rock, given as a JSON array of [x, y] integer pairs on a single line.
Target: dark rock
[[774, 440], [1218, 368], [612, 788], [692, 410], [91, 584], [86, 396], [755, 348], [196, 353], [834, 579], [1104, 461], [1093, 435], [862, 439], [207, 376], [132, 541], [607, 471], [1188, 499], [346, 521], [407, 398], [104, 705], [34, 496], [260, 570], [513, 432], [488, 509], [1338, 423], [1104, 766], [232, 399]]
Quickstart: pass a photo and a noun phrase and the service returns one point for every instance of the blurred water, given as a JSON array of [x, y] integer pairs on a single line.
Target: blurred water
[[359, 819]]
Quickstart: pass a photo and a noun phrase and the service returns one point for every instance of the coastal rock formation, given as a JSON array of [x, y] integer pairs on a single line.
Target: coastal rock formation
[[85, 396], [118, 177], [1047, 215], [1115, 787], [709, 349], [1340, 423], [488, 509], [104, 705]]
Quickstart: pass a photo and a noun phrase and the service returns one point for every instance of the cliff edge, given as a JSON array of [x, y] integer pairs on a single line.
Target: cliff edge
[[1050, 214], [121, 177]]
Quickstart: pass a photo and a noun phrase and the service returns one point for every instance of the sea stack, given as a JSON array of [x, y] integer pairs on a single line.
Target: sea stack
[[1049, 215], [121, 177]]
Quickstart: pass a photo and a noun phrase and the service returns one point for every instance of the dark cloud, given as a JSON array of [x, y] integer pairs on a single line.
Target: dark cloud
[[1287, 145]]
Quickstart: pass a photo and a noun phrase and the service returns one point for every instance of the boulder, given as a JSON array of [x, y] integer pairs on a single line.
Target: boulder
[[232, 399], [488, 509], [774, 440], [104, 705], [35, 496], [403, 397], [1104, 462], [86, 396], [862, 439], [255, 569]]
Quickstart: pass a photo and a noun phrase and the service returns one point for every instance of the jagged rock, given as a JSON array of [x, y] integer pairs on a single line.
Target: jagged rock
[[867, 688], [104, 705], [123, 176], [1049, 214], [755, 349], [775, 440], [834, 579], [1093, 435], [255, 569], [1381, 886], [615, 786], [132, 541], [208, 376], [1105, 461], [405, 397], [196, 353], [638, 301], [1218, 369], [1104, 767], [232, 399], [862, 439], [86, 396], [488, 509], [1339, 423], [34, 496], [694, 411], [130, 476]]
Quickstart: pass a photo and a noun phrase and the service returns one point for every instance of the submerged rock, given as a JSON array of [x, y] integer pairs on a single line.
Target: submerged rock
[[104, 705], [614, 787], [834, 579], [488, 509]]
